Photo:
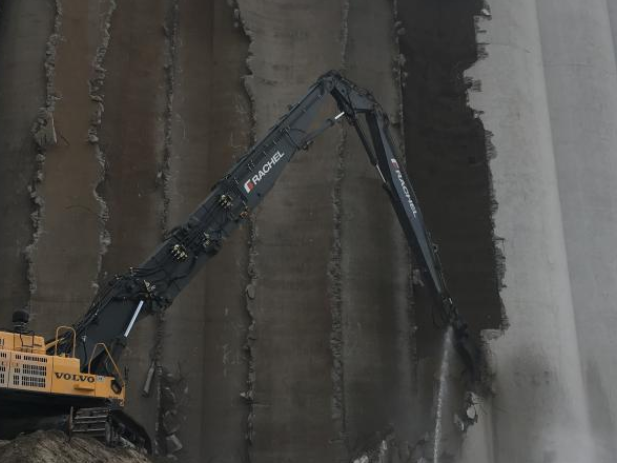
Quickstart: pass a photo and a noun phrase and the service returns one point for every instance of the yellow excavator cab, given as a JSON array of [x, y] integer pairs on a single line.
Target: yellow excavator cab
[[26, 366], [43, 387]]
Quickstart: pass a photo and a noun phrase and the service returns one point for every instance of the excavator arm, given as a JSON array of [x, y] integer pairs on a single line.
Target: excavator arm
[[153, 286]]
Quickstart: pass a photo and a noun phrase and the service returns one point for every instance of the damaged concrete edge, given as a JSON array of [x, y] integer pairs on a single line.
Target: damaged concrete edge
[[476, 86], [398, 68], [96, 86], [170, 29], [334, 268], [400, 76], [251, 336], [335, 297], [44, 135], [249, 78], [488, 335], [253, 232]]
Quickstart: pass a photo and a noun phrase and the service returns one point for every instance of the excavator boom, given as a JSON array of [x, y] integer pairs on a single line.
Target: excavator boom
[[153, 285]]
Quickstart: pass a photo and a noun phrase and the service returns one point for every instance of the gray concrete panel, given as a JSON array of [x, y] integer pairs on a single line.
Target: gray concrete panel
[[25, 27], [538, 413], [579, 60]]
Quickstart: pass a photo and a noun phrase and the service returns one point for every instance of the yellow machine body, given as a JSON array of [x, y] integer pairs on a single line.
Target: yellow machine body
[[26, 366]]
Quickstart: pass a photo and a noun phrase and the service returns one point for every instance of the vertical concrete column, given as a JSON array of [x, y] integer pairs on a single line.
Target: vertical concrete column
[[292, 43], [206, 329], [132, 141], [539, 411], [579, 61], [377, 364], [25, 27]]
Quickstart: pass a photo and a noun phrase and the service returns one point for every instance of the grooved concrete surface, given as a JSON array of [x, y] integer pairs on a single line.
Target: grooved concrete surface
[[309, 339]]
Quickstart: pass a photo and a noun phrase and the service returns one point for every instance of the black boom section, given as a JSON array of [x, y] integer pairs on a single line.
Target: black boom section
[[153, 285]]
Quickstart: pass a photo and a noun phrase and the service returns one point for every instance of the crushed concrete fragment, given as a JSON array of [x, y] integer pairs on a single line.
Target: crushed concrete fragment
[[147, 388], [250, 291], [92, 138], [44, 131], [173, 444]]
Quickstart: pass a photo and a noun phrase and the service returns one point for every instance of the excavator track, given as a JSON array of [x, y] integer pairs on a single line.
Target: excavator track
[[110, 426]]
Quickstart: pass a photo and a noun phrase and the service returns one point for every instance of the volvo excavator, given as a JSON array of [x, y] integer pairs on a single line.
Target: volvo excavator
[[73, 381]]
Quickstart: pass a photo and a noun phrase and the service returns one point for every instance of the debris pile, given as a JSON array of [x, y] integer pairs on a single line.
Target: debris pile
[[57, 447]]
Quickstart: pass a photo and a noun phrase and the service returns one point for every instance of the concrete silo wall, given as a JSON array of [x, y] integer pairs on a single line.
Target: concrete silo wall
[[310, 338]]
